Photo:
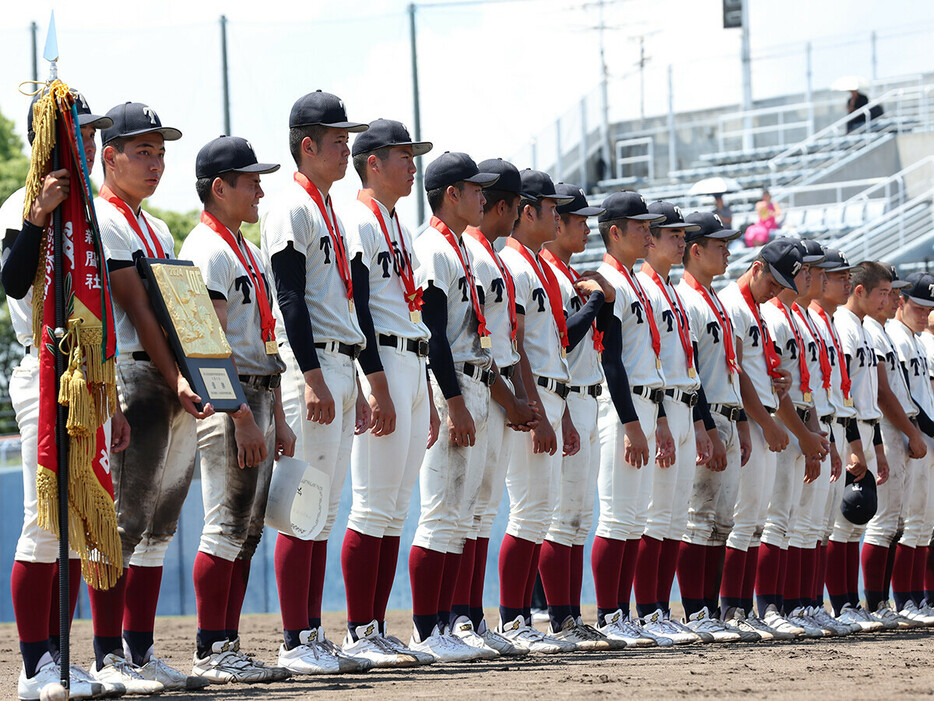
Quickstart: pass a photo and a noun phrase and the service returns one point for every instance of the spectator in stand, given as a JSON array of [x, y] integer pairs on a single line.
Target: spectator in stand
[[855, 102], [769, 213], [722, 211]]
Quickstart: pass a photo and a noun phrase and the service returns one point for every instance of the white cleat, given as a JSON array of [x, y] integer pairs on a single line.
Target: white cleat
[[614, 644], [444, 648], [496, 641], [312, 656], [373, 647], [703, 622], [108, 690], [827, 622], [887, 616], [156, 669], [617, 627], [463, 629], [736, 621], [118, 670], [524, 636], [764, 628], [657, 624], [48, 672], [775, 620], [912, 612], [400, 647], [799, 617], [224, 664], [853, 617], [582, 638]]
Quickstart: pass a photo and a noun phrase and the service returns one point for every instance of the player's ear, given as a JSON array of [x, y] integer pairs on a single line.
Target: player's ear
[[452, 192], [108, 153], [218, 187], [372, 162], [309, 147]]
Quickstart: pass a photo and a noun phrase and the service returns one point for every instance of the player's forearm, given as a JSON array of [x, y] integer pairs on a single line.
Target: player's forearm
[[752, 405], [788, 413], [580, 323]]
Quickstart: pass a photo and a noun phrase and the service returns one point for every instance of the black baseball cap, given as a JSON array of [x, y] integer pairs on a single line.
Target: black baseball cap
[[578, 205], [709, 226], [85, 117], [509, 178], [322, 108], [860, 499], [541, 187], [813, 248], [838, 259], [227, 154], [809, 255], [388, 132], [920, 289], [784, 260], [133, 119], [454, 167], [673, 218], [897, 283], [627, 205]]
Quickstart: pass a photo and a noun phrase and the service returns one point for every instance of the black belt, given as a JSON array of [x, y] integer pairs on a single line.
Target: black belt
[[803, 413], [870, 422], [485, 376], [842, 421], [593, 390], [653, 394], [29, 350], [769, 409], [508, 371], [559, 388], [412, 345], [261, 381], [141, 355], [730, 412], [828, 419], [342, 348], [679, 395]]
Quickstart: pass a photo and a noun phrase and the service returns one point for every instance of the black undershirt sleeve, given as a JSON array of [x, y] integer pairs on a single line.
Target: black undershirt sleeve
[[925, 423], [702, 411], [581, 321], [288, 268], [852, 431], [21, 261], [435, 316], [877, 435], [369, 356], [616, 378]]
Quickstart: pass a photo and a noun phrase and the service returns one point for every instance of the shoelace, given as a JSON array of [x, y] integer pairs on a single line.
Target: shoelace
[[124, 667]]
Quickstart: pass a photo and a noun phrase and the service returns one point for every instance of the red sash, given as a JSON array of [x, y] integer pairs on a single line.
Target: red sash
[[550, 283], [802, 351], [726, 326], [683, 328], [646, 305], [845, 383], [772, 361], [507, 278], [572, 275], [337, 241], [107, 194], [825, 369], [485, 340]]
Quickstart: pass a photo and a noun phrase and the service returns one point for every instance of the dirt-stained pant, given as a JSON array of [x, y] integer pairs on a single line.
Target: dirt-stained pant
[[713, 496]]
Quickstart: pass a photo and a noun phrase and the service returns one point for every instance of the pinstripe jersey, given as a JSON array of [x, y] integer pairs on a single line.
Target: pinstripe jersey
[[749, 338], [927, 341], [895, 371], [822, 403], [783, 336], [495, 302], [914, 358], [11, 218], [584, 365], [388, 307], [674, 360], [226, 278], [123, 245], [832, 340], [862, 366], [293, 218]]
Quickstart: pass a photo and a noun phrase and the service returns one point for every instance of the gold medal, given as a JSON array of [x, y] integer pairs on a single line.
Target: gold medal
[[847, 402], [515, 345], [486, 342], [692, 373], [807, 397], [564, 352], [272, 347], [415, 316], [350, 305], [658, 363]]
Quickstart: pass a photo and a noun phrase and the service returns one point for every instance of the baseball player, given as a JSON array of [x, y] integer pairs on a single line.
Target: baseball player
[[686, 411], [460, 358], [303, 239], [151, 478], [634, 435], [762, 383], [509, 408], [871, 285], [905, 449], [237, 450], [384, 460], [34, 576], [713, 494], [910, 319], [562, 556]]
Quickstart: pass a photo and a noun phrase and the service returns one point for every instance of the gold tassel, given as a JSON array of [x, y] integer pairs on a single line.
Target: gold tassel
[[47, 492]]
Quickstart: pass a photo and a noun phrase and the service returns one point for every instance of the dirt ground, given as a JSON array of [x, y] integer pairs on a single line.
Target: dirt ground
[[881, 665]]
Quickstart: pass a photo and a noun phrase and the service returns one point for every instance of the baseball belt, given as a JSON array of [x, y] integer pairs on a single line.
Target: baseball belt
[[261, 381], [485, 376], [141, 356], [842, 421], [553, 385], [730, 412], [653, 394], [804, 413], [412, 345], [508, 371], [338, 347], [679, 395], [593, 390], [828, 419], [30, 350]]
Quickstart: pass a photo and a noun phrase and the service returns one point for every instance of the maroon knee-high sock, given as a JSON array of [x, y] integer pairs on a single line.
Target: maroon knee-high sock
[[515, 557], [749, 574], [713, 571], [627, 573], [791, 588], [768, 569], [929, 574], [648, 559], [359, 552], [426, 567], [820, 573], [211, 575], [577, 576], [479, 573], [889, 564], [555, 567], [691, 576], [667, 567], [836, 573], [462, 587], [107, 608], [852, 572], [452, 564], [142, 598], [31, 588], [532, 576], [874, 558], [388, 561], [239, 579], [319, 563], [731, 583], [293, 574], [902, 571], [606, 558], [806, 578], [918, 570]]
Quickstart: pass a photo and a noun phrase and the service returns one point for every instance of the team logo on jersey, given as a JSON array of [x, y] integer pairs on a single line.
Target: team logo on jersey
[[538, 294], [636, 309], [150, 114], [324, 244], [754, 334], [792, 347], [497, 287], [669, 319], [243, 284], [713, 328]]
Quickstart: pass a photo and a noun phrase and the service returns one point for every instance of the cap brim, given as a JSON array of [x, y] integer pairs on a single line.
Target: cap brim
[[900, 284], [557, 199], [419, 148], [482, 179], [645, 217], [813, 260], [95, 120], [921, 302], [724, 234], [842, 268], [785, 282], [168, 133], [587, 212], [260, 168], [353, 127], [688, 228]]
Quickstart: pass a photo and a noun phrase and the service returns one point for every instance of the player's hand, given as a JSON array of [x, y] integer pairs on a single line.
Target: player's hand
[[587, 286], [319, 404], [882, 466], [434, 424], [55, 188], [544, 439], [814, 445], [251, 443], [917, 448], [775, 436], [285, 437], [636, 447], [521, 416], [856, 465], [382, 409], [570, 438], [461, 429], [836, 464], [717, 462], [782, 383], [189, 400], [363, 417], [745, 442], [664, 445], [119, 431], [609, 292], [811, 468]]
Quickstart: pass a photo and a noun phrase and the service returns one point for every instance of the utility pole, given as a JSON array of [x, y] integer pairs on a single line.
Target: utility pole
[[747, 77], [224, 80], [416, 109], [34, 29], [605, 147], [642, 60]]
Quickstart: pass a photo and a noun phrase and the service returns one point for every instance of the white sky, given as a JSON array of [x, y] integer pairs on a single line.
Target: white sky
[[492, 75]]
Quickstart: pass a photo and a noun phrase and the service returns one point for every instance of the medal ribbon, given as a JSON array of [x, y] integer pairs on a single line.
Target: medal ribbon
[[640, 293], [683, 330], [825, 369], [772, 361], [107, 194], [573, 276], [413, 294], [266, 320], [550, 283], [726, 326], [507, 278], [337, 241], [449, 236], [802, 349], [845, 384]]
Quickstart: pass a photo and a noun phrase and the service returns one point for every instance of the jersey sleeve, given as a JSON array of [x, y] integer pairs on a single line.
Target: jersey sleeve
[[284, 225], [218, 268], [437, 270], [361, 239], [117, 245]]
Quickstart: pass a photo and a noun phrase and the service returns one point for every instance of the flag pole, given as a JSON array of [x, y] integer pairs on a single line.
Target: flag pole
[[61, 412]]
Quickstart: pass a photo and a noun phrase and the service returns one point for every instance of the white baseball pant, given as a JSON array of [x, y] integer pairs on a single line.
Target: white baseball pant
[[500, 440], [892, 497], [671, 488], [713, 494], [807, 528], [756, 479], [781, 502], [843, 530], [918, 505], [835, 489]]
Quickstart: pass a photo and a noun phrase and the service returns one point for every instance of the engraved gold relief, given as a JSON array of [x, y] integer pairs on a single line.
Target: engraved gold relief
[[191, 311]]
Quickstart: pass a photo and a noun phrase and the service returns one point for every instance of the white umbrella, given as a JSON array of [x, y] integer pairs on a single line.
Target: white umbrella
[[715, 186], [849, 82]]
